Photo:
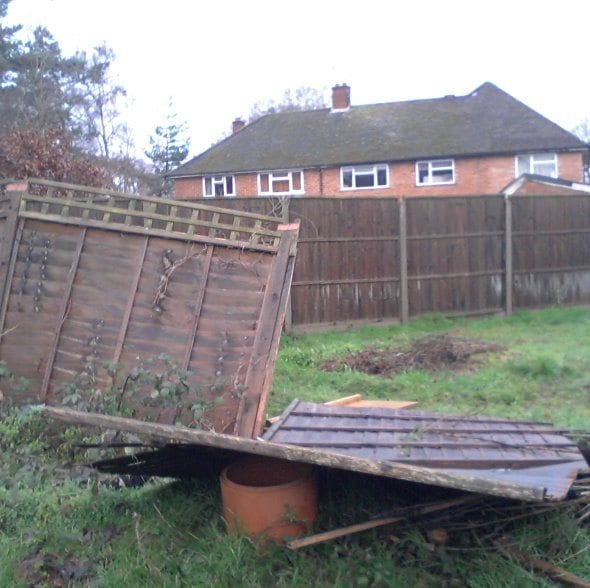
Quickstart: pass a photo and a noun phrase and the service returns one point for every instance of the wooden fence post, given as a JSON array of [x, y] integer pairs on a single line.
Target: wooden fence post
[[7, 242], [403, 262], [286, 216], [508, 280]]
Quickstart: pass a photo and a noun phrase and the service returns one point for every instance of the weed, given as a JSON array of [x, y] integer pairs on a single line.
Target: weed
[[172, 533]]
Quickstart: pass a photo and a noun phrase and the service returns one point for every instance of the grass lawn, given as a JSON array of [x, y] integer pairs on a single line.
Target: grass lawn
[[57, 527]]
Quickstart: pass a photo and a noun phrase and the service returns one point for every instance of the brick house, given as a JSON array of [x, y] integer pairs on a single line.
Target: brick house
[[473, 144]]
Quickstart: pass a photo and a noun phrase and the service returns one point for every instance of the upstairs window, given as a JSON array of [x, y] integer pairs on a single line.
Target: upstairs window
[[362, 177], [435, 171], [283, 182], [218, 186], [542, 164]]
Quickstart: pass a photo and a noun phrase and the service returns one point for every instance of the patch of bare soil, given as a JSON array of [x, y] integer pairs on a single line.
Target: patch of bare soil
[[435, 352]]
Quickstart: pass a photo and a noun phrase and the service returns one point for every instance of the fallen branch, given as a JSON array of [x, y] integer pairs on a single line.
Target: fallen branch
[[349, 530], [539, 565]]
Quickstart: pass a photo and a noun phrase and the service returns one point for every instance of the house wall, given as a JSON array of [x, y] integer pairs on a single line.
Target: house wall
[[476, 175]]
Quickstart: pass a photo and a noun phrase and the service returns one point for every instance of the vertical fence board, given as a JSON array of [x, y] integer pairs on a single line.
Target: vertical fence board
[[130, 301], [63, 311]]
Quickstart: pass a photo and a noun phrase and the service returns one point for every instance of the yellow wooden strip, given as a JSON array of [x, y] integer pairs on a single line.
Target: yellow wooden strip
[[345, 400], [382, 404]]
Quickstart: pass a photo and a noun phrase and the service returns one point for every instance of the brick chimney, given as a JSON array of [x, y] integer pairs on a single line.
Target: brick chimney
[[340, 98], [237, 125]]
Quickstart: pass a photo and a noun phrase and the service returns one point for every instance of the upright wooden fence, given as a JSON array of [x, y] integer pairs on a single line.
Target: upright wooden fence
[[366, 259]]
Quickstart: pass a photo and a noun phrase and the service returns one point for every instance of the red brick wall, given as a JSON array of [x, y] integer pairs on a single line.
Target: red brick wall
[[483, 175]]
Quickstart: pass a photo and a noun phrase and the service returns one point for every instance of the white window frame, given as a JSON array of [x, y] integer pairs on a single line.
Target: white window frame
[[364, 171], [535, 159], [434, 165], [281, 176], [222, 181]]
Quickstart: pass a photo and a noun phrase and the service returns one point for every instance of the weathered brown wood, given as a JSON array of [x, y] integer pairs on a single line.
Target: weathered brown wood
[[403, 262], [7, 243], [484, 444], [148, 215], [85, 192], [508, 242], [370, 239], [257, 382], [130, 300], [380, 522], [176, 434], [412, 415], [352, 281], [198, 306], [556, 573], [10, 273], [61, 317], [146, 231], [430, 430]]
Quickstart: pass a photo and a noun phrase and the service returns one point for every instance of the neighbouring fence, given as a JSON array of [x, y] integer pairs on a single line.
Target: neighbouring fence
[[364, 259]]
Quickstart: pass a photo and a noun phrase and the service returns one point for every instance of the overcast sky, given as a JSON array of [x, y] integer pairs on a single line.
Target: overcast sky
[[216, 58]]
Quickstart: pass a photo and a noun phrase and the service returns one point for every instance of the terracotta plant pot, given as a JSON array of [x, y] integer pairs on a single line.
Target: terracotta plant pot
[[269, 497]]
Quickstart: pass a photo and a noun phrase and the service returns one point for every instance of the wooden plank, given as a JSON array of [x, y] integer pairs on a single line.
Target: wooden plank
[[148, 215], [172, 212], [62, 315], [352, 281], [130, 301], [509, 277], [90, 194], [257, 382], [147, 231], [8, 244], [214, 225], [198, 308], [235, 234], [414, 427], [420, 474], [380, 522], [383, 404], [194, 217], [355, 239], [403, 262], [345, 400], [10, 274], [128, 215]]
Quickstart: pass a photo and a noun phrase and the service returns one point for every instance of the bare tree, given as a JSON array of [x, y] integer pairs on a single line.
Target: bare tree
[[302, 98]]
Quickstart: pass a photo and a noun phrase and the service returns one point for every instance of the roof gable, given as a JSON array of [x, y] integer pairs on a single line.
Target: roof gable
[[486, 121]]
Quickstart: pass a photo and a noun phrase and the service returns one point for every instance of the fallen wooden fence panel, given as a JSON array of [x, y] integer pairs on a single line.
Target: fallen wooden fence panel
[[91, 276], [190, 452]]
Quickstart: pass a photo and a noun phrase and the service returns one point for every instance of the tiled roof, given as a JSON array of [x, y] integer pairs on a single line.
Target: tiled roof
[[485, 122]]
